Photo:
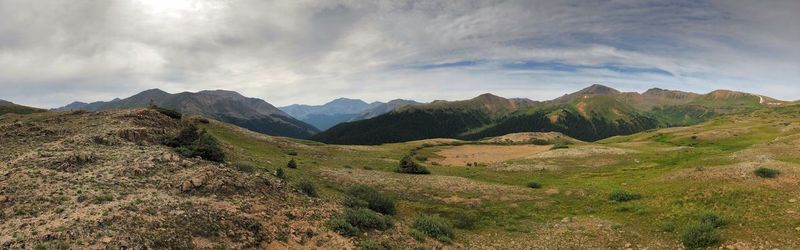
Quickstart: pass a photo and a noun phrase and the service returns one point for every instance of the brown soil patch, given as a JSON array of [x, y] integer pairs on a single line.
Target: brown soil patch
[[580, 151], [434, 186], [461, 155]]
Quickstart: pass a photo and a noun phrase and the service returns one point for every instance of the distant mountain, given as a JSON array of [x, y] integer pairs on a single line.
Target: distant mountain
[[341, 110], [7, 107], [593, 113], [379, 108], [228, 106]]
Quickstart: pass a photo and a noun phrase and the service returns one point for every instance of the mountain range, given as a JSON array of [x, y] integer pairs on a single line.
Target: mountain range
[[590, 114], [227, 106], [341, 110]]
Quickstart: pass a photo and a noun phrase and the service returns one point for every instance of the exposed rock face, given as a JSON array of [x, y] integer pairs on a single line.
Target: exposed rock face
[[101, 180]]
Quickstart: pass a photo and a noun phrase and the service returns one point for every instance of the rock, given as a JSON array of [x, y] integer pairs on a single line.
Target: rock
[[566, 219], [186, 186], [4, 199], [792, 200], [198, 181], [797, 228], [106, 240]]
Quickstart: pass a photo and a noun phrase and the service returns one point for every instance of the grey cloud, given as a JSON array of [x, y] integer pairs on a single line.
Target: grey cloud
[[54, 52]]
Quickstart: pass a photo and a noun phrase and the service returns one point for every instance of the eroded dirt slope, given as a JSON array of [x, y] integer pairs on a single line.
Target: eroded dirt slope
[[101, 180]]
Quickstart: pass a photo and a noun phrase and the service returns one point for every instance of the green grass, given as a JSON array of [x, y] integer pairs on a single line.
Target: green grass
[[656, 170]]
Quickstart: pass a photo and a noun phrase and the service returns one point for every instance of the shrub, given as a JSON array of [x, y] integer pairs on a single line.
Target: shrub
[[207, 147], [168, 112], [292, 164], [292, 153], [538, 141], [700, 235], [341, 226], [623, 196], [534, 184], [365, 219], [307, 187], [421, 158], [767, 172], [363, 196], [188, 134], [244, 167], [465, 220], [712, 219], [372, 245], [280, 173], [435, 227], [191, 143], [408, 166], [417, 235]]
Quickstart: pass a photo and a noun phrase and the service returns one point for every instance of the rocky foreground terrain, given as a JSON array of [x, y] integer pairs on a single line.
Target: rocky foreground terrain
[[102, 181]]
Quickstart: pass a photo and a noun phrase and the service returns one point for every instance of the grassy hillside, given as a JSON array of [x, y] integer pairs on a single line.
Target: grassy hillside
[[590, 114], [680, 175], [656, 189]]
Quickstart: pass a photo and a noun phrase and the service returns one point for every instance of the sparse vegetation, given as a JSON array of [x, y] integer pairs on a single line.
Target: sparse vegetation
[[700, 235], [559, 145], [365, 219], [244, 167], [280, 173], [191, 143], [363, 196], [409, 166], [534, 184], [434, 226], [623, 196], [307, 187], [168, 112], [767, 172]]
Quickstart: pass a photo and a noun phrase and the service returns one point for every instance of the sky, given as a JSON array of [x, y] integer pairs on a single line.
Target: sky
[[53, 52]]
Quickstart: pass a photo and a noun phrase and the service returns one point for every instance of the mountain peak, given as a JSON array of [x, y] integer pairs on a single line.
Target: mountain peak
[[598, 89], [346, 101]]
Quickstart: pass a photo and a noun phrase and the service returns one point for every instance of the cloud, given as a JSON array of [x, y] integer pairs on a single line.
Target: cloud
[[54, 52]]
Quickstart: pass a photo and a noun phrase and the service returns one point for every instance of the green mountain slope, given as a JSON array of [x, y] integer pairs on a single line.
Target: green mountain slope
[[593, 113]]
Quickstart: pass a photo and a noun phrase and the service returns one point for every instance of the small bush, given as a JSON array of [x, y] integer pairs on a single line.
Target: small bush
[[408, 166], [292, 153], [307, 187], [767, 172], [292, 164], [538, 141], [700, 235], [280, 173], [417, 235], [207, 147], [341, 226], [712, 219], [534, 184], [191, 143], [244, 167], [371, 245], [168, 112], [421, 158], [435, 227], [360, 195], [623, 196], [365, 219]]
